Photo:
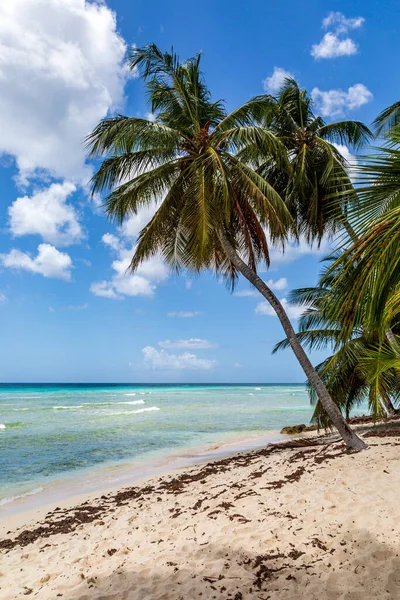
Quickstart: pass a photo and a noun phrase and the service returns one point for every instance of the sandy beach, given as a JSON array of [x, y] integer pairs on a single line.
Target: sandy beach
[[309, 521]]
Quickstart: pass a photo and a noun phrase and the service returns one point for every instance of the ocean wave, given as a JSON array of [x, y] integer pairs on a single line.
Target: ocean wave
[[257, 388], [68, 407], [18, 497], [141, 410], [131, 394], [133, 402], [132, 412], [87, 405], [2, 426]]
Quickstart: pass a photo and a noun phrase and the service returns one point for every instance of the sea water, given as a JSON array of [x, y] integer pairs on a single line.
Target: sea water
[[50, 434]]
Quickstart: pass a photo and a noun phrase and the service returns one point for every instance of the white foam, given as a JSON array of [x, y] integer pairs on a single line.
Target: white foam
[[13, 498], [132, 402], [257, 388], [68, 407], [133, 412], [132, 394], [2, 426], [141, 410], [250, 394]]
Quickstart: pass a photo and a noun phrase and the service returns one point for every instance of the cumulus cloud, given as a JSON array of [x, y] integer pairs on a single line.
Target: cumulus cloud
[[161, 360], [333, 103], [47, 214], [331, 46], [123, 283], [191, 344], [48, 262], [184, 314], [341, 23], [279, 284], [333, 43], [274, 82], [61, 70], [293, 311], [295, 250]]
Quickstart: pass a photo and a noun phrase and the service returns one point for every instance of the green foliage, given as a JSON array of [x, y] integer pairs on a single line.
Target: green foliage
[[363, 367], [315, 183], [187, 161]]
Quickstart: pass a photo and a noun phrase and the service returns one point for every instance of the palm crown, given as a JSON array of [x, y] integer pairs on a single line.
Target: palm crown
[[316, 186], [187, 158]]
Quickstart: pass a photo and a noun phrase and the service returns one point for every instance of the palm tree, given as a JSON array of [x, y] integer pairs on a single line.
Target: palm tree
[[214, 209], [362, 368], [374, 259], [316, 186]]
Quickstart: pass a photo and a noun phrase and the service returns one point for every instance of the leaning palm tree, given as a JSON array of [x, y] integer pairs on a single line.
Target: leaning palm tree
[[316, 185], [213, 208], [361, 369]]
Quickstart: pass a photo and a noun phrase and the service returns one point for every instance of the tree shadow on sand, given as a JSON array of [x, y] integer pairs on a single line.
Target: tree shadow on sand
[[353, 567]]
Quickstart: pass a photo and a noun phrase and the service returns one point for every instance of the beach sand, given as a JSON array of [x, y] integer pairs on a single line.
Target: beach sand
[[311, 522]]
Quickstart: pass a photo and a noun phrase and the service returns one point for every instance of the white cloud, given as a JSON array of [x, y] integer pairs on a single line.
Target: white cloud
[[161, 360], [279, 284], [274, 82], [61, 70], [111, 240], [295, 250], [3, 298], [189, 344], [46, 213], [293, 311], [132, 226], [123, 283], [104, 289], [336, 102], [345, 152], [145, 279], [49, 262], [333, 44], [341, 23], [184, 314]]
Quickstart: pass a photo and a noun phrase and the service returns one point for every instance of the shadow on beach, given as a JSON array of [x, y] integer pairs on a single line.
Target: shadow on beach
[[357, 567]]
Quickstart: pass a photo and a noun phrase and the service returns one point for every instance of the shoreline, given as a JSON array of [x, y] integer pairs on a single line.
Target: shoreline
[[302, 518], [64, 492]]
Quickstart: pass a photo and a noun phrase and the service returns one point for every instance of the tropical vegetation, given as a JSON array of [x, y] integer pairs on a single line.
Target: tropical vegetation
[[225, 186]]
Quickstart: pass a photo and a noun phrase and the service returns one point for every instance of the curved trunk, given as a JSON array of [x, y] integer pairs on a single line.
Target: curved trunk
[[349, 437]]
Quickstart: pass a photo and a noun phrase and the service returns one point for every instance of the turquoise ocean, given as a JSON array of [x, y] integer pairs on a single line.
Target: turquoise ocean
[[78, 437]]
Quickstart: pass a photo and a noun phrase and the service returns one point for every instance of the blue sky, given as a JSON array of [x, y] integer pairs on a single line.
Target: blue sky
[[68, 311]]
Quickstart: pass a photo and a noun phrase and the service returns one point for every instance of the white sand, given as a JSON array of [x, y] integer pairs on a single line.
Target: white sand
[[312, 523]]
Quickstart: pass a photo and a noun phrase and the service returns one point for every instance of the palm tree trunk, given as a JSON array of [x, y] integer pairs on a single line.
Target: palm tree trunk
[[388, 406], [350, 438], [393, 342]]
